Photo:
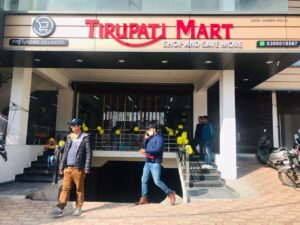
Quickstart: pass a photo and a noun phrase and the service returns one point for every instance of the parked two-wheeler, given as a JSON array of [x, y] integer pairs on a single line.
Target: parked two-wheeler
[[268, 155], [289, 174], [3, 152]]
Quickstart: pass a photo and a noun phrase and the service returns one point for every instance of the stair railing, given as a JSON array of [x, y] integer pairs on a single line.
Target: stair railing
[[57, 158], [183, 161]]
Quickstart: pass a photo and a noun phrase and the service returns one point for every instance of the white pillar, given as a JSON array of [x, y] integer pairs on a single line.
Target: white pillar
[[227, 160], [19, 106], [65, 99], [200, 105], [275, 120]]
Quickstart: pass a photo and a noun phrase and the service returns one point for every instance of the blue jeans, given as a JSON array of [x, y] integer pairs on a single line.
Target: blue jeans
[[207, 151], [50, 161], [155, 170]]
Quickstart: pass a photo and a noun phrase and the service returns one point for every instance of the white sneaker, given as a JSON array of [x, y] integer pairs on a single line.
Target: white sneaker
[[77, 212], [207, 166]]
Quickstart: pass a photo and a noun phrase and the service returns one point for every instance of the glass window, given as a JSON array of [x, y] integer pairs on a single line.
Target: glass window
[[120, 5], [148, 6], [157, 6], [262, 5], [203, 5]]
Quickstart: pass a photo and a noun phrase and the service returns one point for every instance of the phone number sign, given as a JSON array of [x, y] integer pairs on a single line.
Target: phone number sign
[[278, 44]]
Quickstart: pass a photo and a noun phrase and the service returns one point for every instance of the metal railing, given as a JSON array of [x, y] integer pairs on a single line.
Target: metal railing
[[127, 142], [184, 160]]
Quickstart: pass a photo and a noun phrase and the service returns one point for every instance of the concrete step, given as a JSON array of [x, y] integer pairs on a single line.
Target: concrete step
[[208, 183], [33, 179], [39, 165], [204, 176], [37, 172]]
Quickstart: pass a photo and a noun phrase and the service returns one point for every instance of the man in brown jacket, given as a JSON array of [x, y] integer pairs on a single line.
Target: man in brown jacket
[[75, 164]]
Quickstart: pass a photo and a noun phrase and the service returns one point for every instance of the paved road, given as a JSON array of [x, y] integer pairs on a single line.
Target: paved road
[[273, 204]]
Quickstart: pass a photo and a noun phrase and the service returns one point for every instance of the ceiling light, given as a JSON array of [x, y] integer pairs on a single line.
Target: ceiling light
[[208, 61], [34, 97], [79, 60], [95, 97], [269, 62], [121, 61], [37, 60], [245, 79], [164, 61]]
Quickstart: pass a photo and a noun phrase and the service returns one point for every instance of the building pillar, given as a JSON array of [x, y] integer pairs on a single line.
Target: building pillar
[[275, 120], [227, 160], [200, 105], [19, 106], [65, 100]]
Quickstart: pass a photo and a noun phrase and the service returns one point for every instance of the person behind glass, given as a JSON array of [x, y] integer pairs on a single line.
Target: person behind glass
[[153, 150], [207, 138], [198, 135], [75, 164]]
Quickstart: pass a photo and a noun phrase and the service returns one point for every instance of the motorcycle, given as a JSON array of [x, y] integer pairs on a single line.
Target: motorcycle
[[268, 155], [289, 174], [3, 152]]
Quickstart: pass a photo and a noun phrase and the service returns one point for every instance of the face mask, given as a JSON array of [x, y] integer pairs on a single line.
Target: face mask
[[150, 132]]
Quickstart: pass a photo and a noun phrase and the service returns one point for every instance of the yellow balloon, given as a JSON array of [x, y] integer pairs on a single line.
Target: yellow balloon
[[98, 128], [167, 129], [135, 129], [179, 140], [184, 135], [118, 132], [189, 149], [180, 126], [184, 120], [85, 129], [171, 133], [176, 132], [101, 132], [73, 136], [61, 143], [185, 141]]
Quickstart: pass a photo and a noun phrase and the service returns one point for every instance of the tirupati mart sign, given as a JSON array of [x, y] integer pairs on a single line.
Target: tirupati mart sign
[[149, 33]]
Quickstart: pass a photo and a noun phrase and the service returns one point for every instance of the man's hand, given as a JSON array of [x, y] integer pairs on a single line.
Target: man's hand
[[87, 172], [142, 150], [147, 136], [60, 172]]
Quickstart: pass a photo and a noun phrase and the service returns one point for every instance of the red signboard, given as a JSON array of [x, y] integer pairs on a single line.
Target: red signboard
[[153, 32]]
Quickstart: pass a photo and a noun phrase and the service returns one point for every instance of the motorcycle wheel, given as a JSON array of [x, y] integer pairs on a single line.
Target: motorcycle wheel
[[261, 159], [289, 179]]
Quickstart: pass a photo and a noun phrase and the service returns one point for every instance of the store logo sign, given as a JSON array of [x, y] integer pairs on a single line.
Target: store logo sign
[[144, 34], [43, 26]]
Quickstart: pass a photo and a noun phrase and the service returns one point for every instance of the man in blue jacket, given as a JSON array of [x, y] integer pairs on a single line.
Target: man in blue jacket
[[153, 150]]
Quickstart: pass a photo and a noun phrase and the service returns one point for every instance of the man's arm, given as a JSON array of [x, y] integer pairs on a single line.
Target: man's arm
[[159, 145], [88, 152]]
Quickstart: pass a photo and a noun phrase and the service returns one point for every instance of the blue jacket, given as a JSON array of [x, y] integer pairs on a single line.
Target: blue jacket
[[154, 148], [207, 133]]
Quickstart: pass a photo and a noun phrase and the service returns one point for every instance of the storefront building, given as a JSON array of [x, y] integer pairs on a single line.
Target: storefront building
[[122, 65]]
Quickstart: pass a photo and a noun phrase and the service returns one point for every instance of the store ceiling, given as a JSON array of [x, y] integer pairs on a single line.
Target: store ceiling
[[251, 68]]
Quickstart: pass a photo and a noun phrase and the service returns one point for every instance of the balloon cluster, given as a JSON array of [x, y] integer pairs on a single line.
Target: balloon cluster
[[85, 128], [100, 130], [183, 141]]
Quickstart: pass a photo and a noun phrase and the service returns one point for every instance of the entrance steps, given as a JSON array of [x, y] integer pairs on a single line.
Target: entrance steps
[[206, 183], [37, 172]]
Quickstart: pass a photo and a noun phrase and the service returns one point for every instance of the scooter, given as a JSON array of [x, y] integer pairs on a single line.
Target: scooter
[[266, 154], [289, 174]]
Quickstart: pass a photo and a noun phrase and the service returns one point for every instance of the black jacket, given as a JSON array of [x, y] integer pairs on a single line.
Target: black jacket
[[83, 157], [198, 132]]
